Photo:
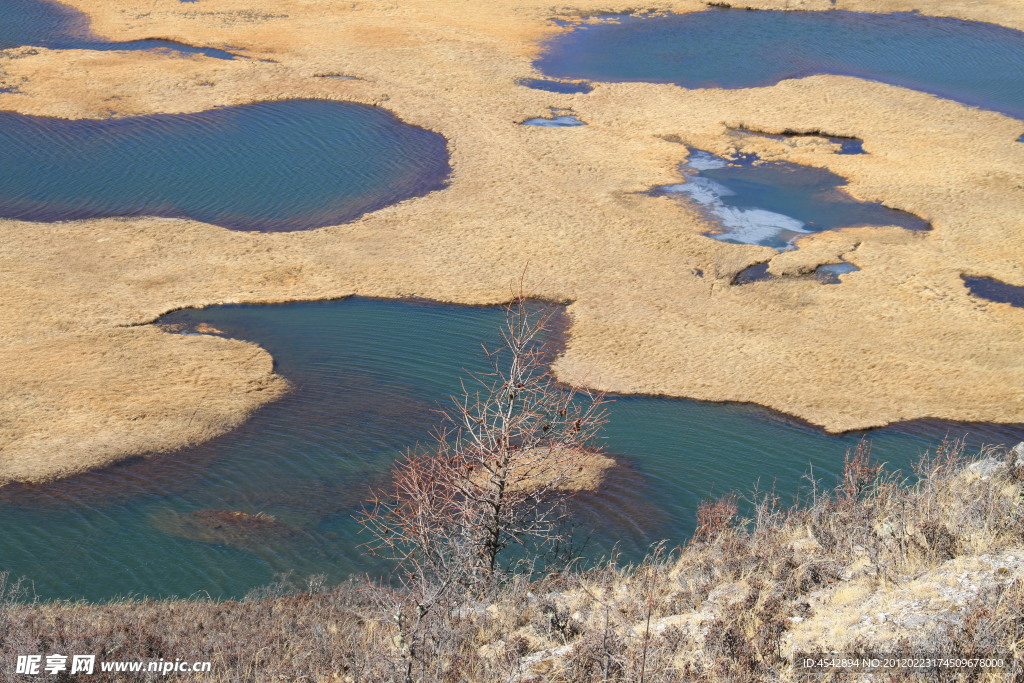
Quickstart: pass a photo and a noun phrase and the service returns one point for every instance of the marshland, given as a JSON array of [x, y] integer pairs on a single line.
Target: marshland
[[237, 290]]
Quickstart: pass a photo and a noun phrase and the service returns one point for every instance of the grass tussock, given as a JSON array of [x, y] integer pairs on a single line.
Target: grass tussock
[[874, 564]]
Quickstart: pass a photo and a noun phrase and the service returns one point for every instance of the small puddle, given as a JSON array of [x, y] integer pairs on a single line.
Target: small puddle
[[847, 145], [558, 119], [830, 273], [342, 77], [827, 274], [994, 290], [563, 87], [774, 203]]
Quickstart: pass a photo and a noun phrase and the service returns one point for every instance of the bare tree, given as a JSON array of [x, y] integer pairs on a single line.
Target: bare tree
[[496, 470], [487, 492]]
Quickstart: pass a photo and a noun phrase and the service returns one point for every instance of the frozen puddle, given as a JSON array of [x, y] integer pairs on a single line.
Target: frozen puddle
[[560, 118], [774, 203]]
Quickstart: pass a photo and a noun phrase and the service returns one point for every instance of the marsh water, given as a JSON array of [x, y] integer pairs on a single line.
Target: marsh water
[[367, 375], [44, 23], [279, 493], [289, 165], [995, 290], [971, 62], [775, 203]]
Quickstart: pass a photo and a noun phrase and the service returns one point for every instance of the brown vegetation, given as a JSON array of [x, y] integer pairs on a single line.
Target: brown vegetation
[[734, 605]]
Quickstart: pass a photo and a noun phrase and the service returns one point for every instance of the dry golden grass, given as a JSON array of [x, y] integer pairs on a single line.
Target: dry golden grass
[[586, 475]]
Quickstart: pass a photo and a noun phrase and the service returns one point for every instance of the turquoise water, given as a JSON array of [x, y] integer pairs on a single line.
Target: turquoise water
[[367, 374], [970, 62], [290, 165], [42, 23], [775, 203]]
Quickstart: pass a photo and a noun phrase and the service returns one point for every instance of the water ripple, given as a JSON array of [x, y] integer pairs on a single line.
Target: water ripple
[[368, 376], [290, 165], [974, 63]]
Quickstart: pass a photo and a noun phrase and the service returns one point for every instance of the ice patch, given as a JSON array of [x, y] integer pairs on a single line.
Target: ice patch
[[705, 161], [556, 122], [744, 225], [754, 226], [838, 268], [702, 190]]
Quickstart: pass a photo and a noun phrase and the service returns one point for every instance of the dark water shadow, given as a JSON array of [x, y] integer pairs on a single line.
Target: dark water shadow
[[562, 87], [994, 290]]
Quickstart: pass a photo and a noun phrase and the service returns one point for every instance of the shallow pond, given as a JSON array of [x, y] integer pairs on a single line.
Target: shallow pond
[[995, 290], [971, 62], [289, 165], [367, 374], [775, 203], [42, 23]]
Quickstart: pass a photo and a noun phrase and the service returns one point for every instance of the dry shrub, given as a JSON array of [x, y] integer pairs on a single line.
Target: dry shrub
[[715, 517], [859, 473]]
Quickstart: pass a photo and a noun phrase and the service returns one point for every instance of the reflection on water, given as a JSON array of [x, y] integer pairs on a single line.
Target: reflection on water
[[775, 203], [43, 23], [367, 376], [289, 165], [971, 62]]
